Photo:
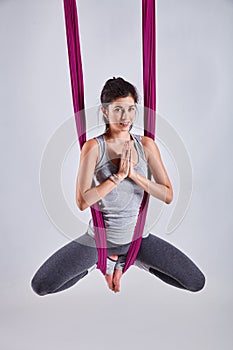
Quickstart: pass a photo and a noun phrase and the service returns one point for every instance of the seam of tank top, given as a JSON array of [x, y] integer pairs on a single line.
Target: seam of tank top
[[140, 146], [106, 153], [101, 152], [137, 148]]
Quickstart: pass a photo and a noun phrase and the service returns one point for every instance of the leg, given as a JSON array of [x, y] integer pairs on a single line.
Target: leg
[[64, 268], [168, 263]]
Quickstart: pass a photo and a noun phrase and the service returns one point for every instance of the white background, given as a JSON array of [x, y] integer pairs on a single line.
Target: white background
[[194, 93]]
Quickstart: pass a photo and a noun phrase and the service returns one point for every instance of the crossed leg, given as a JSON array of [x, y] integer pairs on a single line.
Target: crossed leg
[[70, 264]]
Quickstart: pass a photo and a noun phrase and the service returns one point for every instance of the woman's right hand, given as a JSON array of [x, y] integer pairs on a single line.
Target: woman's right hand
[[124, 165]]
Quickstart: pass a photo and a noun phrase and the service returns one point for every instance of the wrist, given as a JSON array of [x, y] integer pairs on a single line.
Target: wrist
[[133, 175], [115, 178], [120, 177]]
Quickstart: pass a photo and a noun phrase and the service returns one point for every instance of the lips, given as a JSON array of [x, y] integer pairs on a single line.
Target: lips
[[125, 124]]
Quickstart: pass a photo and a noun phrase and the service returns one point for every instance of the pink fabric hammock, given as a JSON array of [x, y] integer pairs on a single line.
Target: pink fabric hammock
[[149, 87]]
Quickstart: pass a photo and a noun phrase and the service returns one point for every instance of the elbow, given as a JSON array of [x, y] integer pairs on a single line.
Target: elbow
[[82, 207], [81, 204], [168, 200], [80, 201], [169, 196]]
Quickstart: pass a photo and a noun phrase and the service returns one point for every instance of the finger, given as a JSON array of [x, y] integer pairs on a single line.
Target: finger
[[127, 153], [126, 146], [123, 151], [131, 157]]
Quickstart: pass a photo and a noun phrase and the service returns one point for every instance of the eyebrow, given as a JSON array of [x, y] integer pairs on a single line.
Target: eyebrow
[[122, 107]]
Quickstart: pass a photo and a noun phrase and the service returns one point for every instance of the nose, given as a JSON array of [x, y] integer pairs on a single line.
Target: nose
[[123, 114]]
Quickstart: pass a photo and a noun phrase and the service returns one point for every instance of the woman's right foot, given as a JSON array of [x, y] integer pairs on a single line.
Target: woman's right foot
[[116, 280]]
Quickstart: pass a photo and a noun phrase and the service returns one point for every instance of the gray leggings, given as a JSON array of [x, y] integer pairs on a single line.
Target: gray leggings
[[71, 263]]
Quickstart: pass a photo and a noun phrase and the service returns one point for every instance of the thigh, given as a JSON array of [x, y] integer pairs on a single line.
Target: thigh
[[162, 256]]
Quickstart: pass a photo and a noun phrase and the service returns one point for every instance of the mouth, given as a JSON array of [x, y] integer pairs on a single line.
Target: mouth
[[125, 124]]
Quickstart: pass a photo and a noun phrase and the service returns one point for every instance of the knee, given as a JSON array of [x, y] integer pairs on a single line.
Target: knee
[[38, 286], [198, 283]]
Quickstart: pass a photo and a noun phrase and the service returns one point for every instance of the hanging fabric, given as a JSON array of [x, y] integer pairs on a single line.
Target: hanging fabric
[[149, 87], [76, 74]]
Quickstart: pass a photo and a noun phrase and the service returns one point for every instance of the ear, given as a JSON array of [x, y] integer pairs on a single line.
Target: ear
[[104, 111]]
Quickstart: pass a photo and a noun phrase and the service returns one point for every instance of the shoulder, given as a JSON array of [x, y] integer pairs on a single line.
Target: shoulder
[[90, 147], [150, 147], [89, 144], [147, 141]]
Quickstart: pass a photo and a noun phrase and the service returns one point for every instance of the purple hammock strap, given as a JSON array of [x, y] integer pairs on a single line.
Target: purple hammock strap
[[76, 74], [75, 62], [149, 82], [149, 87]]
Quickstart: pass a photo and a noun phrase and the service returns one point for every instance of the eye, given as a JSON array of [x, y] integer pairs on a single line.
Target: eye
[[117, 109], [132, 109]]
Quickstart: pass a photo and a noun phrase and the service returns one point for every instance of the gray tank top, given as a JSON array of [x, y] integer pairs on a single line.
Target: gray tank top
[[120, 207]]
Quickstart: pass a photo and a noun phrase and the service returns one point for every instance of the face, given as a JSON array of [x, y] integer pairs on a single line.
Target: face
[[121, 113]]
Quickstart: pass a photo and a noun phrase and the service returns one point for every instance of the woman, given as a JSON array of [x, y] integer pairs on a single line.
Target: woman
[[113, 171]]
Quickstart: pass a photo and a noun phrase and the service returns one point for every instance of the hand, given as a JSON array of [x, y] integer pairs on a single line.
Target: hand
[[132, 172], [124, 166]]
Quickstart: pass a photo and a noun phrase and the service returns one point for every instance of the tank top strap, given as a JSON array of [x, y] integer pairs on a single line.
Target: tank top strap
[[138, 144], [102, 151]]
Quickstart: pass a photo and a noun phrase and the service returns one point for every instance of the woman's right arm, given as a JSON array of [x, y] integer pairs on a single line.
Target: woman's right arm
[[86, 195]]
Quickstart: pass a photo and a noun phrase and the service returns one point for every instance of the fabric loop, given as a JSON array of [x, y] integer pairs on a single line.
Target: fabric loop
[[149, 86]]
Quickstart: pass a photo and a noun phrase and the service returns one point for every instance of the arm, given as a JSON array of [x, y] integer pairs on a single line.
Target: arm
[[161, 187], [86, 195]]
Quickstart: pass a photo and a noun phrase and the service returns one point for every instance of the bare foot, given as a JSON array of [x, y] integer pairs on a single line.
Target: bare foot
[[116, 280], [109, 281], [109, 276]]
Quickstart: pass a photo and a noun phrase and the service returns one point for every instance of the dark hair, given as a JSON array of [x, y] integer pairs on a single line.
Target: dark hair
[[115, 88]]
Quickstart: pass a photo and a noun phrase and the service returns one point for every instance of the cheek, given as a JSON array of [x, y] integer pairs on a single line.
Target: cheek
[[132, 116], [114, 117]]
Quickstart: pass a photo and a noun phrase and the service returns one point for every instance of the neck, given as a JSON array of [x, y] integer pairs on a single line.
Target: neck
[[124, 135]]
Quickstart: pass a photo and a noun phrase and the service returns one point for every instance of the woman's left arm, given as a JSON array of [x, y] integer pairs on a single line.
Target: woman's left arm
[[161, 187]]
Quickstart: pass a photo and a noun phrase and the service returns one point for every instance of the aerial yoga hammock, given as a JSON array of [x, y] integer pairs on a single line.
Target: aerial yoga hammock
[[71, 262], [149, 87]]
